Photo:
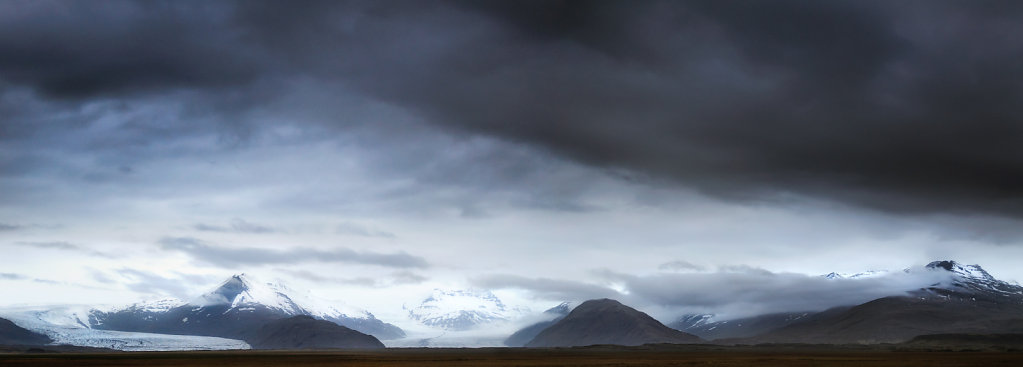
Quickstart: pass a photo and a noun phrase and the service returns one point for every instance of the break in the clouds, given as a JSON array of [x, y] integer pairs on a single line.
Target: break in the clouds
[[251, 256]]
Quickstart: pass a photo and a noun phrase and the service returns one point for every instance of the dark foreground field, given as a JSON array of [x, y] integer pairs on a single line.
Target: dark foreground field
[[595, 356]]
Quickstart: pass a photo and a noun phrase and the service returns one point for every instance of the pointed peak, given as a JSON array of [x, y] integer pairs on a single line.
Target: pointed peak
[[833, 275], [959, 269], [948, 265], [561, 309]]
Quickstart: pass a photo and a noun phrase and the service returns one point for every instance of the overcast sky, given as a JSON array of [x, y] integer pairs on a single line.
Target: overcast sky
[[676, 155]]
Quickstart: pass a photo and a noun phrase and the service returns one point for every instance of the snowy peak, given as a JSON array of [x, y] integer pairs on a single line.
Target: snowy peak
[[242, 290], [229, 290], [973, 280], [965, 271], [462, 309], [561, 309], [861, 275], [690, 321]]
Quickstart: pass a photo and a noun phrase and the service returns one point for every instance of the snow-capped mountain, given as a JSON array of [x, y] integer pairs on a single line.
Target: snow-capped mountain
[[704, 325], [861, 275], [234, 309], [691, 321], [243, 292], [973, 281], [462, 310]]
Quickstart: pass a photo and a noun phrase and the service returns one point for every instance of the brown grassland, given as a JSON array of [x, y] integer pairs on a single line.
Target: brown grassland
[[592, 356]]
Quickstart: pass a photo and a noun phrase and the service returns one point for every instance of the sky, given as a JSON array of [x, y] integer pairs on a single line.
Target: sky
[[682, 156]]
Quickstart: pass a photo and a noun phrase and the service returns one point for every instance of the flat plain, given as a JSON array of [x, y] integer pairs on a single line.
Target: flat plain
[[592, 356]]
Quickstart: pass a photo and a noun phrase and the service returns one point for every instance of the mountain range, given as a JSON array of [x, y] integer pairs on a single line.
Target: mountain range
[[969, 301], [236, 309], [242, 312]]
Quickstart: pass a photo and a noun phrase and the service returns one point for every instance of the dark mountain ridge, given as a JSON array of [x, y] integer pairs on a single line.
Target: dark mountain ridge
[[606, 321], [524, 335], [971, 301], [12, 334], [305, 332]]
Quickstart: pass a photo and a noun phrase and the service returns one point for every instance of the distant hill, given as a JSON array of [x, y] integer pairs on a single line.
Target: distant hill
[[606, 321], [305, 332], [524, 335], [700, 325], [971, 301], [12, 334]]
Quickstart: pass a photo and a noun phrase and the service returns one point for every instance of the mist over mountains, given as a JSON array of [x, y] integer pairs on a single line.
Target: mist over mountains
[[965, 299]]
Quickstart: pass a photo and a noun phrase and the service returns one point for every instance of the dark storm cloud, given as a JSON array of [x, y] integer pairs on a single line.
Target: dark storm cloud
[[247, 256], [902, 106], [236, 226], [73, 49]]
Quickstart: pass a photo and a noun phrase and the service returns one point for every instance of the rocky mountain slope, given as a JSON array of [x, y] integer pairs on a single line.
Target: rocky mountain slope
[[702, 326], [524, 335], [12, 334], [306, 332], [606, 321]]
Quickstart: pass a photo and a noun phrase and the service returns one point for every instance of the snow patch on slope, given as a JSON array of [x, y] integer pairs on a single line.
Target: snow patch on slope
[[243, 290]]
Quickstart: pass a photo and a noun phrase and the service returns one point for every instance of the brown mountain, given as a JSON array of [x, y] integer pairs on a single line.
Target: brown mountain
[[606, 321], [305, 332]]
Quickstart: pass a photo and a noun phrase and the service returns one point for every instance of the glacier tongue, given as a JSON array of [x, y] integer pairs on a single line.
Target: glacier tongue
[[68, 325]]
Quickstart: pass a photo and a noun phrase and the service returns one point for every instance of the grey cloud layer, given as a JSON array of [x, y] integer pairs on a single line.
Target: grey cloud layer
[[245, 256], [65, 246], [731, 291], [907, 106], [236, 225]]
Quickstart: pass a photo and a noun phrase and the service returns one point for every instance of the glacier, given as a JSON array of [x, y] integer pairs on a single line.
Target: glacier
[[68, 325]]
